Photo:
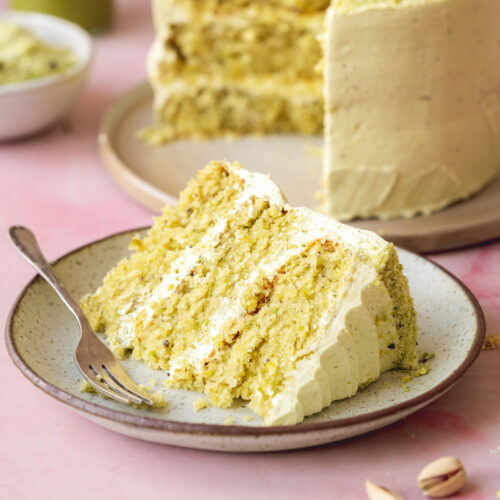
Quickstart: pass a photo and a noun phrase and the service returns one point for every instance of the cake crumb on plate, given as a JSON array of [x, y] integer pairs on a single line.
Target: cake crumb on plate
[[200, 404]]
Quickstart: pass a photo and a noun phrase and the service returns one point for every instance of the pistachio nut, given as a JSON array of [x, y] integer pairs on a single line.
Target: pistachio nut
[[442, 478], [376, 492]]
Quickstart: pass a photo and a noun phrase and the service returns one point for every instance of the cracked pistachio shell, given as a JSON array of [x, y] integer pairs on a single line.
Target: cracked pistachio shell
[[441, 478], [375, 492]]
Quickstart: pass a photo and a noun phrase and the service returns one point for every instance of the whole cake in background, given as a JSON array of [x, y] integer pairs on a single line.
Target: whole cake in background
[[412, 104], [409, 90], [238, 295]]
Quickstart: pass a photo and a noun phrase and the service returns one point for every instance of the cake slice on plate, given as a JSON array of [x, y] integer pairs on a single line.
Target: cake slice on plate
[[236, 294]]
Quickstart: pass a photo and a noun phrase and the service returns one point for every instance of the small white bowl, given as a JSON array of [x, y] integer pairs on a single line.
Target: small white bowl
[[30, 106]]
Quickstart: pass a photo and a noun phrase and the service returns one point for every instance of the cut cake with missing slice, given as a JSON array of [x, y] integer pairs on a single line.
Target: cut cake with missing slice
[[236, 294], [406, 92]]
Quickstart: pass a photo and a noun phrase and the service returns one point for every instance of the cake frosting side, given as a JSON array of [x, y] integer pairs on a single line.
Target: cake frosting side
[[237, 294], [412, 93]]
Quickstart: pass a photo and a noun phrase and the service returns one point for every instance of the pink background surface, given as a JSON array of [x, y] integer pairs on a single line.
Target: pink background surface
[[56, 185]]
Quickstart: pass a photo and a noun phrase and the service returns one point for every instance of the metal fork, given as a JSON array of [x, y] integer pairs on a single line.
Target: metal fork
[[94, 360]]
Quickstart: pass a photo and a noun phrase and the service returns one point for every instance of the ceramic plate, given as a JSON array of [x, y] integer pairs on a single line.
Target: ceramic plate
[[41, 336], [155, 175]]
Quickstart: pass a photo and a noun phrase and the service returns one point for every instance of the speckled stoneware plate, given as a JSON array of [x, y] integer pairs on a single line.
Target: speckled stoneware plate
[[155, 175], [41, 336]]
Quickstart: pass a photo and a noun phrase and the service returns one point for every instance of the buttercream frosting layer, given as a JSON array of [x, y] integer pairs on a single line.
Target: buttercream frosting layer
[[412, 106], [203, 10]]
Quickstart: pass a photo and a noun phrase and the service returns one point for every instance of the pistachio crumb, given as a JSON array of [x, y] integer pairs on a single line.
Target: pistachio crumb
[[423, 370], [158, 399], [85, 386], [491, 342], [200, 404], [426, 357]]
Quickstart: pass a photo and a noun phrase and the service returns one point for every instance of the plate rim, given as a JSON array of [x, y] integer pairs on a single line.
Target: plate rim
[[134, 185], [174, 426]]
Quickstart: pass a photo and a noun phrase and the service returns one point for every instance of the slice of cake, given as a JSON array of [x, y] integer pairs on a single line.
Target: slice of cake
[[236, 294], [411, 90]]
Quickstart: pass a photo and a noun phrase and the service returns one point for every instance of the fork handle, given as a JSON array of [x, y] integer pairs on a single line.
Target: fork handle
[[25, 242]]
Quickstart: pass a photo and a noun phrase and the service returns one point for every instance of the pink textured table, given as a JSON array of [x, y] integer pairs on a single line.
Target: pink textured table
[[55, 184]]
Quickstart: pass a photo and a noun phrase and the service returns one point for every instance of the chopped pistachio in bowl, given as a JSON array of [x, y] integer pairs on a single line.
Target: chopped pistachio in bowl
[[44, 62]]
